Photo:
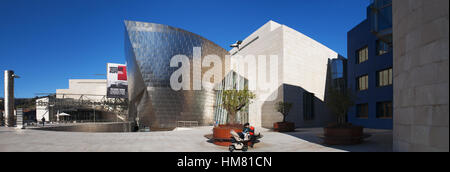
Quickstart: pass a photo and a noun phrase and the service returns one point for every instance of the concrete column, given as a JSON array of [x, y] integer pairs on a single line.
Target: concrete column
[[421, 75], [9, 98]]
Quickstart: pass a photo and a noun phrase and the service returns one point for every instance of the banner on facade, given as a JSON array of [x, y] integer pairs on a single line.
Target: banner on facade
[[117, 85]]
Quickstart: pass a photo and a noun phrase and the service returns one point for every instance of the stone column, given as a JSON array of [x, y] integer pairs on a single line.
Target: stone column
[[421, 75]]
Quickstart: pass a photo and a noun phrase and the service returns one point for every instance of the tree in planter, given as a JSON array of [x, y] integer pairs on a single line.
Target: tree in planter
[[283, 108], [339, 101], [234, 101]]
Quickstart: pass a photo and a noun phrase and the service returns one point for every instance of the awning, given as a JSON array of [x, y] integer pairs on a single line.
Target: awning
[[63, 114]]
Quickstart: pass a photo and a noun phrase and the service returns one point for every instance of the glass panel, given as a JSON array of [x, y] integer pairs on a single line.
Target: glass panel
[[380, 79], [385, 77], [359, 84], [380, 15], [363, 55], [366, 110], [366, 82], [337, 68], [383, 47], [363, 83], [366, 50], [390, 76], [359, 56], [384, 109], [390, 111], [362, 110]]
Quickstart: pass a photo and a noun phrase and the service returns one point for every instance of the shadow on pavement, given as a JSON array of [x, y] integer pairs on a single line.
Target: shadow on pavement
[[380, 140]]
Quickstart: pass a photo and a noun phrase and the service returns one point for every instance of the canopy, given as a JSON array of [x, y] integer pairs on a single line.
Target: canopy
[[63, 114]]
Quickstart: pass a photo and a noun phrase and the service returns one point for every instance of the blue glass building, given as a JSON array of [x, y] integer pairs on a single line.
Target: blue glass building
[[369, 67]]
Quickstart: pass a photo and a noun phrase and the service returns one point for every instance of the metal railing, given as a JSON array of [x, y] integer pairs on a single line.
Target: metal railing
[[187, 124]]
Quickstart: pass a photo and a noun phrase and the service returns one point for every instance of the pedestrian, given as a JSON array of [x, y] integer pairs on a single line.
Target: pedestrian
[[43, 121]]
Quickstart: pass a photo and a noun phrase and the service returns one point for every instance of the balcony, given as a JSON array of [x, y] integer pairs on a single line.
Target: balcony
[[380, 18]]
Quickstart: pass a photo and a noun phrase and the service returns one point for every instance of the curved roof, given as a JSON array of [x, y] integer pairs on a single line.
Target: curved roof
[[155, 27]]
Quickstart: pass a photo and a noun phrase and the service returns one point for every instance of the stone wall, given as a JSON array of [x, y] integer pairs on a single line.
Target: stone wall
[[421, 75], [92, 89], [269, 42], [305, 69], [302, 66]]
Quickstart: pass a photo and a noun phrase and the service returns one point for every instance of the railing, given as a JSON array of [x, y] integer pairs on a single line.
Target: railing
[[39, 123], [187, 123]]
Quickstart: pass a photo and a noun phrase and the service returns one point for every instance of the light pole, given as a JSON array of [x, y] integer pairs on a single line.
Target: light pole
[[94, 114], [9, 97]]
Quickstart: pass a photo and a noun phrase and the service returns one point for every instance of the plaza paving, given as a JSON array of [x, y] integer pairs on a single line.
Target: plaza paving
[[181, 140]]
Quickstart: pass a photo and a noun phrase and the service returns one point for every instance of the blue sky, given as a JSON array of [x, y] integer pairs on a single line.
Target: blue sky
[[47, 42]]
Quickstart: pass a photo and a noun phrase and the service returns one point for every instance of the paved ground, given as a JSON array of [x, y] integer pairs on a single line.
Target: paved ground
[[182, 140]]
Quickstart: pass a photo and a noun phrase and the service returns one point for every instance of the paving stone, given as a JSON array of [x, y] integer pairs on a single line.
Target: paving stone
[[191, 140]]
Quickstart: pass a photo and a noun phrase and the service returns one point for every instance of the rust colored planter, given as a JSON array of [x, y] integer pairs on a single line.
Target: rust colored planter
[[349, 135], [284, 126], [222, 136]]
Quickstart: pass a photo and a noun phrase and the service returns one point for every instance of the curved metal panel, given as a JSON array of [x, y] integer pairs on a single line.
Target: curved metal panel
[[149, 48]]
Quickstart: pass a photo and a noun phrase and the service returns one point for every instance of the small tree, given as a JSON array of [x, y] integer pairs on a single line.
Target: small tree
[[234, 101], [339, 101], [283, 108], [2, 105]]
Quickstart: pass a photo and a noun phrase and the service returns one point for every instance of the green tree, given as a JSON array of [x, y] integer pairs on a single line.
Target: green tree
[[283, 108], [234, 101], [339, 101], [2, 105]]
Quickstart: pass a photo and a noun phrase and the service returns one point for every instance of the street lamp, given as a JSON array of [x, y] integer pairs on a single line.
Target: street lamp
[[9, 97], [236, 45]]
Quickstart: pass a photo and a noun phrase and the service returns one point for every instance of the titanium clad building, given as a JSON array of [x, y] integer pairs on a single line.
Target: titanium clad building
[[301, 76], [149, 48]]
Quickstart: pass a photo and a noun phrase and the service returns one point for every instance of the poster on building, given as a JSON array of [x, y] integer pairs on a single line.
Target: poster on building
[[117, 85]]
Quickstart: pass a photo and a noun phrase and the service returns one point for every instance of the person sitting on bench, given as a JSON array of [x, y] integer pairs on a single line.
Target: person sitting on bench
[[250, 130]]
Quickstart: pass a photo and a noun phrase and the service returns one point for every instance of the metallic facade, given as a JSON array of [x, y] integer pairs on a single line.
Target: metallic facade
[[149, 48]]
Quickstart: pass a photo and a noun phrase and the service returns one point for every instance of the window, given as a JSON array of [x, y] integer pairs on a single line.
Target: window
[[383, 47], [384, 77], [337, 68], [363, 83], [308, 106], [362, 110], [362, 55], [384, 109]]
